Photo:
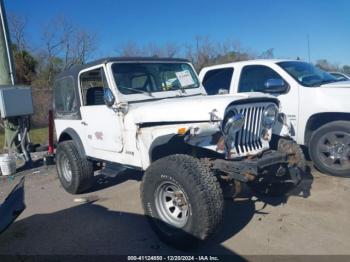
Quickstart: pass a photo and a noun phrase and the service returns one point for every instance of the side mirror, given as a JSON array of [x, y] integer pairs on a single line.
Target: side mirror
[[273, 85], [108, 97]]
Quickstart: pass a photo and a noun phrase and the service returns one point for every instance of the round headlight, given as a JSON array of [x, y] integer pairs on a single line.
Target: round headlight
[[233, 124], [270, 116]]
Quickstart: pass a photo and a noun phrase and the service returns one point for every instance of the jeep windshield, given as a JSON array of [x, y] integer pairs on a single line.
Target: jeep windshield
[[307, 74], [147, 78]]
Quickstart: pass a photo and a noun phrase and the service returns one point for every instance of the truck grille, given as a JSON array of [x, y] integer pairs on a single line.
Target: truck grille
[[248, 140]]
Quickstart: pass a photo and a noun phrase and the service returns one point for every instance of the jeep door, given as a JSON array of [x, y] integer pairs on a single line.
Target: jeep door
[[102, 124]]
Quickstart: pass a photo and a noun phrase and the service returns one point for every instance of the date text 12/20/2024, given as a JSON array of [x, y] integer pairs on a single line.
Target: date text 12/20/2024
[[173, 258]]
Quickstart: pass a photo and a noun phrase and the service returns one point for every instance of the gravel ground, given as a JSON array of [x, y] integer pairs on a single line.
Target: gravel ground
[[312, 220]]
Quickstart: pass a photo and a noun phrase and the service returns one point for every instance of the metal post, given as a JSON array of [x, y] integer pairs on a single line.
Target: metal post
[[308, 47], [51, 146], [7, 72]]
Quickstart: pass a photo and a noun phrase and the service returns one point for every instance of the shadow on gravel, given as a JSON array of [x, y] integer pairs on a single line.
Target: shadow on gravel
[[29, 167], [302, 190], [102, 182], [91, 229]]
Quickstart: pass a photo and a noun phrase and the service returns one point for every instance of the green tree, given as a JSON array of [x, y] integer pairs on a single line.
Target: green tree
[[25, 65]]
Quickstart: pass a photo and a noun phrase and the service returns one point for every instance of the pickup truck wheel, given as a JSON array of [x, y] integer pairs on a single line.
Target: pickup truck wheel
[[182, 200], [330, 148], [74, 172]]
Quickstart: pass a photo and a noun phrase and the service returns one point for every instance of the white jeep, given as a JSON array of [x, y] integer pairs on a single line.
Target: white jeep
[[154, 115], [316, 103]]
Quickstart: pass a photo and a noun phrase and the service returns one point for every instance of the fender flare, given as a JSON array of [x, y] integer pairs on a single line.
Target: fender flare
[[71, 134]]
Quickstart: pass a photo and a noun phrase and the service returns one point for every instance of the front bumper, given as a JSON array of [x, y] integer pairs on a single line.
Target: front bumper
[[247, 169]]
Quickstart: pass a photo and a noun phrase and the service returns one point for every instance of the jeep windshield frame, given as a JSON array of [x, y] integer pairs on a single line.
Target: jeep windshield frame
[[138, 80]]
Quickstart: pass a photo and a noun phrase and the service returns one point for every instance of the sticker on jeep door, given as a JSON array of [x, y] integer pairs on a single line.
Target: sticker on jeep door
[[185, 78]]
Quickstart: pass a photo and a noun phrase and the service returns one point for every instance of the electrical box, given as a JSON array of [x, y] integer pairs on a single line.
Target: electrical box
[[15, 101]]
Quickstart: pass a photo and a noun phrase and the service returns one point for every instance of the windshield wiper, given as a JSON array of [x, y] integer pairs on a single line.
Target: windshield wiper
[[329, 81], [137, 90], [324, 82]]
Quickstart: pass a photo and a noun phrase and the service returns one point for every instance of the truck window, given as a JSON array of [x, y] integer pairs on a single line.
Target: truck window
[[92, 84], [254, 77], [217, 79], [65, 98]]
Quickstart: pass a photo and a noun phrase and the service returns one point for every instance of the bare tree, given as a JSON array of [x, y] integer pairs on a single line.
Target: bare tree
[[85, 44], [205, 51], [267, 54], [172, 49], [326, 65], [17, 25], [129, 49], [64, 45]]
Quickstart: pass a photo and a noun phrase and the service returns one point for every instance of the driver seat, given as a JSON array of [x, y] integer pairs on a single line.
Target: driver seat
[[94, 96]]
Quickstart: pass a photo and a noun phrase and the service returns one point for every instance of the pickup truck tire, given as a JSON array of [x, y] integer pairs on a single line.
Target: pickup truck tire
[[74, 171], [329, 148], [182, 200]]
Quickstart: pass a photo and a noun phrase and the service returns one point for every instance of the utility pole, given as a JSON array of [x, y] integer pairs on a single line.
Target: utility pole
[[7, 71], [308, 47]]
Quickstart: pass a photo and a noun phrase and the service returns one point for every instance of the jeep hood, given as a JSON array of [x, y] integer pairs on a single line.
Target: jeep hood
[[187, 109]]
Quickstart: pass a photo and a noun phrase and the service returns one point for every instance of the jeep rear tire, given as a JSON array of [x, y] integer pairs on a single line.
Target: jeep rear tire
[[74, 172], [182, 200], [329, 148]]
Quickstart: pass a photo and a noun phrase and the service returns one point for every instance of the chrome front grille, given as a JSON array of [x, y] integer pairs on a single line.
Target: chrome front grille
[[248, 140]]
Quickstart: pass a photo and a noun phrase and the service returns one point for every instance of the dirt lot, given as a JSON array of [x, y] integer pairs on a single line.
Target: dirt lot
[[314, 219]]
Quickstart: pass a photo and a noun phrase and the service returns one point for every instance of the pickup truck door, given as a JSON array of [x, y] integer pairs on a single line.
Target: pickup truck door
[[102, 124], [251, 78]]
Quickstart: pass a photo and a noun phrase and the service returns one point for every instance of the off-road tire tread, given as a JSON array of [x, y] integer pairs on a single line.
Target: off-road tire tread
[[302, 164], [80, 166], [204, 185]]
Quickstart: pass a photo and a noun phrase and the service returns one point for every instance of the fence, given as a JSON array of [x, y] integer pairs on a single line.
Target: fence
[[42, 100]]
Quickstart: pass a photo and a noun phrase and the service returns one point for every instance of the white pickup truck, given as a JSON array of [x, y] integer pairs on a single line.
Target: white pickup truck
[[316, 103]]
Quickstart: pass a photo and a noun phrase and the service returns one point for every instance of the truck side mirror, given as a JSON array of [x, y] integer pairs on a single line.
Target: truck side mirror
[[108, 97], [275, 85]]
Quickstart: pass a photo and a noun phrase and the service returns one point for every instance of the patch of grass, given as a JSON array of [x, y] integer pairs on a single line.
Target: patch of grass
[[37, 136]]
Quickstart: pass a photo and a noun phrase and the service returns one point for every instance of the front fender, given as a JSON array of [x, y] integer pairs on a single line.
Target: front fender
[[71, 134]]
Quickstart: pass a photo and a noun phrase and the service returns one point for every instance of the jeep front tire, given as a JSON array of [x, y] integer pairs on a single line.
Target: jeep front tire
[[74, 171], [182, 200], [329, 148]]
